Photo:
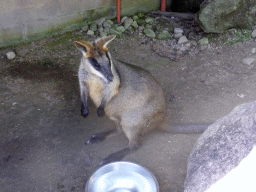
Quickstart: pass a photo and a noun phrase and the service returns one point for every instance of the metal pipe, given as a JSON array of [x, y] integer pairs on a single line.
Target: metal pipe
[[163, 5], [118, 5]]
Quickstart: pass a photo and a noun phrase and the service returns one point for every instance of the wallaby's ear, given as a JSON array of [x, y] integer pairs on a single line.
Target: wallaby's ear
[[108, 39], [83, 46]]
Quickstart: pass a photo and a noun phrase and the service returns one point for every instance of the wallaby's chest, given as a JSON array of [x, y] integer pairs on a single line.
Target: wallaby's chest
[[96, 89]]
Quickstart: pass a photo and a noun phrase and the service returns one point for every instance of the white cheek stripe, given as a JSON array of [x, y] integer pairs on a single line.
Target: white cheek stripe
[[97, 73]]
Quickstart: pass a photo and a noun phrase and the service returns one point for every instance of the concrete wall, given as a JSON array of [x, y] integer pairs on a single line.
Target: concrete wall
[[22, 20]]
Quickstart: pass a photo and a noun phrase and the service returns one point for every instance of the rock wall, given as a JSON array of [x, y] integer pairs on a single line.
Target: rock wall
[[28, 19], [217, 16]]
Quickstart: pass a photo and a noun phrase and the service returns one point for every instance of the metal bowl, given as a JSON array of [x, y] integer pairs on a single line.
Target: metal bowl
[[122, 177]]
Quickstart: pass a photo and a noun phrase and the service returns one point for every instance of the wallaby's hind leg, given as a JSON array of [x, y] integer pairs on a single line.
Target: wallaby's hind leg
[[133, 137], [99, 137]]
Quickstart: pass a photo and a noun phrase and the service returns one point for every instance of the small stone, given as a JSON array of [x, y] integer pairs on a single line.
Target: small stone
[[100, 29], [103, 34], [149, 26], [150, 20], [115, 32], [158, 27], [85, 28], [123, 19], [100, 21], [141, 28], [182, 39], [93, 27], [178, 30], [107, 30], [253, 50], [106, 24], [90, 32], [134, 24], [141, 22], [110, 22], [121, 28], [254, 33], [164, 35], [141, 15], [10, 55], [203, 41], [135, 17], [248, 61], [128, 22], [177, 35], [149, 33]]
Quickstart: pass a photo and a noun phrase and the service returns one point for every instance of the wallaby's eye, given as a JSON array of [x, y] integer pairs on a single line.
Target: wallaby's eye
[[94, 62]]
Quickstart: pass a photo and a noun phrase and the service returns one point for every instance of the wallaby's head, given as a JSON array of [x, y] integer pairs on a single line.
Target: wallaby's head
[[96, 57]]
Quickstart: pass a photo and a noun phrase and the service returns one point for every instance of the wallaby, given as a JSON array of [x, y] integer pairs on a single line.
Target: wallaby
[[127, 94]]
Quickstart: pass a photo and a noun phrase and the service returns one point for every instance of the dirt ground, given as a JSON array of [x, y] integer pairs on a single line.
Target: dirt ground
[[42, 133]]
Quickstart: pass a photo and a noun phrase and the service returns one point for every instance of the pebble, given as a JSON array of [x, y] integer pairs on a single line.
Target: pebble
[[177, 35], [149, 26], [178, 30], [93, 27], [135, 17], [85, 28], [203, 41], [141, 22], [100, 29], [10, 55], [106, 24], [128, 22], [248, 60], [164, 35], [182, 39], [150, 20], [253, 50], [100, 21], [90, 32], [103, 34], [134, 24], [254, 33], [149, 33], [121, 28], [123, 19]]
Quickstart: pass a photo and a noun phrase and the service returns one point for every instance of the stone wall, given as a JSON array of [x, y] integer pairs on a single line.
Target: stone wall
[[23, 20]]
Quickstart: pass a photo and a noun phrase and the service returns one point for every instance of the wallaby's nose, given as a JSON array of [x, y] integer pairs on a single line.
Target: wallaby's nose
[[110, 77]]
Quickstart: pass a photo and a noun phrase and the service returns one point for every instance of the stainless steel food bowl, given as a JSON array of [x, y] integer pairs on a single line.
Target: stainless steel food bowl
[[122, 177]]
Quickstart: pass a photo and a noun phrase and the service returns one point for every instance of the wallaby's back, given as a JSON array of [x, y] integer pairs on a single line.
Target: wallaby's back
[[140, 103]]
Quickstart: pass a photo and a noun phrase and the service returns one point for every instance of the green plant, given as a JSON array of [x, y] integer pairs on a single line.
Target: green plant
[[240, 35]]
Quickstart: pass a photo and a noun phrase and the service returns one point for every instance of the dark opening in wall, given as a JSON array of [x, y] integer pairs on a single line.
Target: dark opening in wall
[[185, 6]]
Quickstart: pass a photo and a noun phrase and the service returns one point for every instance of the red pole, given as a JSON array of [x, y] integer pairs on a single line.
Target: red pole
[[118, 10], [163, 5]]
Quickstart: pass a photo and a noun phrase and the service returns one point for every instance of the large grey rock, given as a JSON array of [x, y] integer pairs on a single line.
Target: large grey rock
[[222, 150], [219, 15]]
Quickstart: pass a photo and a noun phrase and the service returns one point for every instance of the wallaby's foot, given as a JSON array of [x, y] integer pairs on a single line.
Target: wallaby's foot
[[84, 111], [99, 137], [117, 156], [100, 112]]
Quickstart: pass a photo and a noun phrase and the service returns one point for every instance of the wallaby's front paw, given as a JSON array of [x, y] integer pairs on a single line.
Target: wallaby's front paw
[[100, 112], [84, 111]]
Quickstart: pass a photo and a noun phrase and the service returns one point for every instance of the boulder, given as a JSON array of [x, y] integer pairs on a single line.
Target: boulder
[[224, 156], [216, 16]]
